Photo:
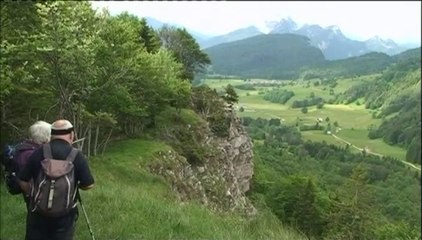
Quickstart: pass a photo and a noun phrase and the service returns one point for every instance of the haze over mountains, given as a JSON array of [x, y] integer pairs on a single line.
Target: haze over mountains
[[330, 40]]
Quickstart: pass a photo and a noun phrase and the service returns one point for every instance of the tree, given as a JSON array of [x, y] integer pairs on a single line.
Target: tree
[[64, 60], [230, 95], [205, 101], [185, 49], [320, 105], [149, 37], [23, 94], [295, 202], [68, 45], [352, 215], [413, 153], [274, 122]]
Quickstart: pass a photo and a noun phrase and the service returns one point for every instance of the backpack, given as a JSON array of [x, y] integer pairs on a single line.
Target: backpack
[[13, 162], [54, 190]]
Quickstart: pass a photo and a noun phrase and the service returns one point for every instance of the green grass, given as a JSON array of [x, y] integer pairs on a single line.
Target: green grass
[[359, 138], [128, 202], [354, 120]]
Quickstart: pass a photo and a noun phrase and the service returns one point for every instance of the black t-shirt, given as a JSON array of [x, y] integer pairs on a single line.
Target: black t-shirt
[[60, 149]]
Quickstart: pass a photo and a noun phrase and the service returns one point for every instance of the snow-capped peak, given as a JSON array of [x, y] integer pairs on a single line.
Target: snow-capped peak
[[285, 25], [335, 29]]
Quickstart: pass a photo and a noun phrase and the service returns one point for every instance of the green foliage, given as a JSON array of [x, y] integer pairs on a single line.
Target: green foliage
[[305, 127], [183, 131], [278, 96], [67, 61], [245, 87], [185, 50], [307, 102], [294, 201], [404, 129], [23, 94], [230, 96], [354, 66], [355, 92], [149, 37], [400, 230], [355, 197], [349, 214], [208, 104]]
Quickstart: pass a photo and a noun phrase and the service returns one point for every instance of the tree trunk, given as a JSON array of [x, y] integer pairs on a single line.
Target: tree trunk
[[89, 139], [97, 132]]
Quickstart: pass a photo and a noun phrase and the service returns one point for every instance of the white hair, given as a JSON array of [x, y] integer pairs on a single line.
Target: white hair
[[40, 132]]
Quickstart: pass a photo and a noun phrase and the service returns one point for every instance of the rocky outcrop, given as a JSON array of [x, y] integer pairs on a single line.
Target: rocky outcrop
[[222, 177]]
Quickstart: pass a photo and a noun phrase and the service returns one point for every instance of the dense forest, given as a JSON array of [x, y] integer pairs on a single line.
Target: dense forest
[[109, 75], [328, 192], [265, 56], [354, 66]]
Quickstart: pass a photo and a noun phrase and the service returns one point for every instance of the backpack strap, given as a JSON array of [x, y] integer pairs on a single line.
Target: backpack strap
[[47, 150], [47, 153], [72, 155]]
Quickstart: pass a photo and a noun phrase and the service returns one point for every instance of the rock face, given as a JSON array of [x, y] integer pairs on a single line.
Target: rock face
[[222, 178]]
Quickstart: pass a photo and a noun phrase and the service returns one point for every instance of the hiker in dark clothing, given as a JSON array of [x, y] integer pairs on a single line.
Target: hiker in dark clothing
[[40, 225], [39, 133]]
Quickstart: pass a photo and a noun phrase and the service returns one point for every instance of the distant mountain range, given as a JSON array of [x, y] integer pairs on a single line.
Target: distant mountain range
[[239, 34], [333, 43], [330, 40]]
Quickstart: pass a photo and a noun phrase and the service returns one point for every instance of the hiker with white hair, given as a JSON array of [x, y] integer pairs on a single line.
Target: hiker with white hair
[[58, 170], [38, 134]]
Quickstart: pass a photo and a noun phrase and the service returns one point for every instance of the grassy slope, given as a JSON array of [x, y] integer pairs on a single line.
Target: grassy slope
[[130, 203], [353, 119]]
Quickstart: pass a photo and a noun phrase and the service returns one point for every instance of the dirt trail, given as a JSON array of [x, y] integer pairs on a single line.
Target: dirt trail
[[376, 154]]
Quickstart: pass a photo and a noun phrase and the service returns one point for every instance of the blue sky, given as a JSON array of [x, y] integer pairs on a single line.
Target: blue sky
[[359, 20]]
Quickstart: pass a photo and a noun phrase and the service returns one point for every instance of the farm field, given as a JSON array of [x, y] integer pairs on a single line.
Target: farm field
[[353, 120]]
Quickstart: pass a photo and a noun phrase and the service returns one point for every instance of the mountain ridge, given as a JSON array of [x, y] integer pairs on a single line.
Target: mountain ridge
[[265, 56], [331, 40]]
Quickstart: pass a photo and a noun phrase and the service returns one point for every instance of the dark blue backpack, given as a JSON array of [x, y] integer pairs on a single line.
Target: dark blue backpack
[[11, 167]]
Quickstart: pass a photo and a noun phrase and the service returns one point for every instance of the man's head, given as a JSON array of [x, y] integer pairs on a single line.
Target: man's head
[[63, 129], [40, 132]]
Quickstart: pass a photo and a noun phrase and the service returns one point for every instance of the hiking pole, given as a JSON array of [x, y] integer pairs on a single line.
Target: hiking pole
[[86, 216], [79, 146]]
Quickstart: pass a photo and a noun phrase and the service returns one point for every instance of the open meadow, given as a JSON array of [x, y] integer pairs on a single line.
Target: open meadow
[[350, 122]]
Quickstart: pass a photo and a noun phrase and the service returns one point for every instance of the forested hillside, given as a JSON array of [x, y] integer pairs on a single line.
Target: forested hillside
[[328, 192], [265, 56], [366, 64], [369, 63], [396, 97]]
